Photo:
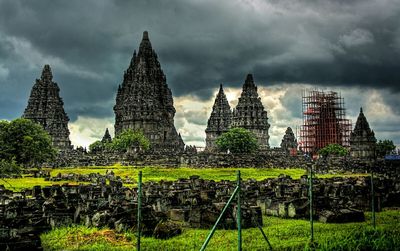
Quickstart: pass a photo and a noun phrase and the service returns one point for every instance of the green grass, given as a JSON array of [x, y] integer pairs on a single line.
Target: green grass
[[158, 173], [284, 234]]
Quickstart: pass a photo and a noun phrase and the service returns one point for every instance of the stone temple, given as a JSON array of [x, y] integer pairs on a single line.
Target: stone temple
[[144, 101], [220, 120], [249, 114], [107, 137], [46, 108], [362, 139], [289, 142]]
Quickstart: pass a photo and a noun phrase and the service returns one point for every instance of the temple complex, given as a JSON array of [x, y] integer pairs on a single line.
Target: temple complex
[[220, 119], [46, 108], [362, 139], [250, 114], [289, 141], [144, 101]]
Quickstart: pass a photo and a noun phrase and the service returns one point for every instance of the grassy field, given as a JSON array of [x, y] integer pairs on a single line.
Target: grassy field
[[157, 174], [283, 234]]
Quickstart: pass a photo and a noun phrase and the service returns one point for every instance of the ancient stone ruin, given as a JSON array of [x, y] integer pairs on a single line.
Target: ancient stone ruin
[[107, 137], [362, 139], [220, 120], [144, 101], [191, 202], [249, 114], [46, 108], [324, 121], [289, 141]]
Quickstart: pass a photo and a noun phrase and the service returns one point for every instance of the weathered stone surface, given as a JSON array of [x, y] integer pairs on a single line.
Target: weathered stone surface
[[144, 101], [107, 137], [166, 230], [220, 120], [362, 139], [250, 114], [46, 108], [341, 216], [194, 202], [289, 141]]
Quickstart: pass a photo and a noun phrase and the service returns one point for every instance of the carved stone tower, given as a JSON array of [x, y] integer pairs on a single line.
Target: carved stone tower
[[250, 113], [46, 108], [107, 137], [362, 139], [144, 101], [219, 121], [289, 140]]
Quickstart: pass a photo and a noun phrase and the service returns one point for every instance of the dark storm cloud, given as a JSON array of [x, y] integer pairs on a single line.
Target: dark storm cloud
[[200, 44]]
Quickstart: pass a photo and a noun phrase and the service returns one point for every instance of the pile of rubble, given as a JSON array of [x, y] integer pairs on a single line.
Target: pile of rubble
[[192, 202]]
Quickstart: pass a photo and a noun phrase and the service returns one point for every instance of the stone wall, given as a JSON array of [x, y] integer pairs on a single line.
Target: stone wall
[[273, 158]]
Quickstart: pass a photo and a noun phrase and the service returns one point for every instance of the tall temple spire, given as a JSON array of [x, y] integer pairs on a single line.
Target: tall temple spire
[[362, 125], [219, 121], [362, 138], [107, 137], [250, 114], [145, 48], [47, 75], [144, 100], [46, 108], [249, 82]]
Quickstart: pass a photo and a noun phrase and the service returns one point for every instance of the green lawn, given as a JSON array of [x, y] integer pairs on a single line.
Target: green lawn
[[157, 174], [284, 234]]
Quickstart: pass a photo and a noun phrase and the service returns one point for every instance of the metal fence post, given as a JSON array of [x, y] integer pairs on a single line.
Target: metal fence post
[[311, 204], [373, 199], [239, 212], [203, 247], [139, 211]]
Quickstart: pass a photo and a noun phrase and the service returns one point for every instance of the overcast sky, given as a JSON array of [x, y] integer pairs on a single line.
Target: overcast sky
[[352, 47]]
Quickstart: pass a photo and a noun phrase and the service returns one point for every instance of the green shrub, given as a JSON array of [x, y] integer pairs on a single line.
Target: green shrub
[[237, 140]]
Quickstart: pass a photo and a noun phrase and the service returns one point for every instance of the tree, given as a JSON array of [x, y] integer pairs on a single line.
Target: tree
[[237, 140], [8, 168], [130, 139], [25, 142], [384, 147], [99, 146], [333, 149]]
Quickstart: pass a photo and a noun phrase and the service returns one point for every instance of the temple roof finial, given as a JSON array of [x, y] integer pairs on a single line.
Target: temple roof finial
[[145, 35], [46, 73], [249, 78]]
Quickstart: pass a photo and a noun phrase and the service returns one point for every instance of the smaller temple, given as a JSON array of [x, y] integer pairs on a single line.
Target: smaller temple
[[46, 108], [289, 141], [219, 121], [250, 114], [362, 139], [107, 137]]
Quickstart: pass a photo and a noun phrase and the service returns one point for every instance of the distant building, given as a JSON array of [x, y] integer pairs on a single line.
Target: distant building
[[289, 142], [46, 108], [324, 121], [107, 137], [249, 114], [362, 139], [144, 101], [220, 120]]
